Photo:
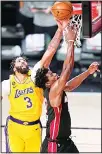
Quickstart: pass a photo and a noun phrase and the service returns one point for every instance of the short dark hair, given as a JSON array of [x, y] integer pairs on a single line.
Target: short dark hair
[[41, 78], [12, 65]]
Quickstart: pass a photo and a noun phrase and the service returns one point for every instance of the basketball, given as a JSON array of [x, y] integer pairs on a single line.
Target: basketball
[[62, 10]]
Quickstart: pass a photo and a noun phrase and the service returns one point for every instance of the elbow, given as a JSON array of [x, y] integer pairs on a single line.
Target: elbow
[[68, 89]]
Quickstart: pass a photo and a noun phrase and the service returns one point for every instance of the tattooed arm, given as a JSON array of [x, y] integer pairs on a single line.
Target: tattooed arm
[[49, 53], [52, 48]]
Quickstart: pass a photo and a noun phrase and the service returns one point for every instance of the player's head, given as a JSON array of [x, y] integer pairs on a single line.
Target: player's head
[[20, 65], [45, 78]]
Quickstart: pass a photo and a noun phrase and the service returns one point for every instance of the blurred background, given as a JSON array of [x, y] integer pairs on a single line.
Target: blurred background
[[26, 31]]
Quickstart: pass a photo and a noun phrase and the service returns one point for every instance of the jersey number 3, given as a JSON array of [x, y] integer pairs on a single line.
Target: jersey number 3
[[28, 100]]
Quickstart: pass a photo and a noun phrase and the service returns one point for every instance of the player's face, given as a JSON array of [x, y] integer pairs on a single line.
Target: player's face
[[21, 66], [52, 77]]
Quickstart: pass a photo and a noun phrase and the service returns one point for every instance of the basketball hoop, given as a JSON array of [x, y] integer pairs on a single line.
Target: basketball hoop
[[77, 19]]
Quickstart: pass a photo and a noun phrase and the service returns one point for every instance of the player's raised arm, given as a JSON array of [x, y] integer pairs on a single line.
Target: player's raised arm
[[52, 47], [76, 81], [68, 64], [58, 87]]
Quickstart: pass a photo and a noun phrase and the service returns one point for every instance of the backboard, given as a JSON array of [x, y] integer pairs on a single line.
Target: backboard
[[90, 12], [91, 18]]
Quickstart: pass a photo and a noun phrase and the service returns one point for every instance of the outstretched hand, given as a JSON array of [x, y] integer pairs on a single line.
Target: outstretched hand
[[62, 24], [93, 67]]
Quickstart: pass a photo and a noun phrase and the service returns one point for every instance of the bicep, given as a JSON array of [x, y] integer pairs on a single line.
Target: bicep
[[67, 88], [47, 57], [70, 86]]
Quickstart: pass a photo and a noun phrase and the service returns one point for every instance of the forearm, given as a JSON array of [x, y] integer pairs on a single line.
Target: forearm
[[75, 82], [67, 69], [48, 55], [63, 78], [69, 61], [56, 40]]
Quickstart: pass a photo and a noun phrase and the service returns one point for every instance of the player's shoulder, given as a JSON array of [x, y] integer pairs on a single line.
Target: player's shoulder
[[12, 77]]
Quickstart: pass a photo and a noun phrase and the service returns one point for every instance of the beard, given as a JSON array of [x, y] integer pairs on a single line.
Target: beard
[[22, 70]]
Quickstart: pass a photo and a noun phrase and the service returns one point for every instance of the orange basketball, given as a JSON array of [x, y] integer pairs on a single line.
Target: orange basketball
[[62, 10]]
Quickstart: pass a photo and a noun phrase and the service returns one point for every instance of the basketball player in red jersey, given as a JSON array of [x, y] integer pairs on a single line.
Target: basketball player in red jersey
[[58, 130]]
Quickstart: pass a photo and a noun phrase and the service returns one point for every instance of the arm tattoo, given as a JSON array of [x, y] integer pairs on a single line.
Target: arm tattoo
[[55, 41]]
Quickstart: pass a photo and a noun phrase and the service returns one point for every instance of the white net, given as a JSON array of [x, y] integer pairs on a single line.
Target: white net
[[76, 21]]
